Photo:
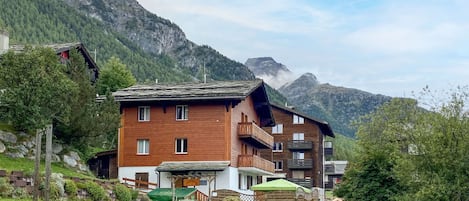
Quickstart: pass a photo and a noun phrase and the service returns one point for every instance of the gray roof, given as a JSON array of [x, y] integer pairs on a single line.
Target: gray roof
[[57, 47], [178, 166], [237, 90], [323, 125]]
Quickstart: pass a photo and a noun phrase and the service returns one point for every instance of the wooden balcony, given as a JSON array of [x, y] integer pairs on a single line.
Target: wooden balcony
[[253, 161], [300, 145], [300, 163], [307, 183], [254, 135]]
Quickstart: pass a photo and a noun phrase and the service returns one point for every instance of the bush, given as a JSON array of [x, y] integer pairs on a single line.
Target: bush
[[54, 192], [71, 188], [97, 193], [134, 194], [6, 189], [123, 193]]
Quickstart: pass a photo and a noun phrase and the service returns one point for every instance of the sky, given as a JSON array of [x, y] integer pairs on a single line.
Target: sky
[[394, 47]]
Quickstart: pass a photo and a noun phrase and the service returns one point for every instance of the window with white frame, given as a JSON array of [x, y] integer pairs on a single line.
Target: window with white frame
[[278, 147], [144, 113], [298, 120], [278, 165], [182, 112], [298, 137], [181, 146], [277, 129], [143, 147]]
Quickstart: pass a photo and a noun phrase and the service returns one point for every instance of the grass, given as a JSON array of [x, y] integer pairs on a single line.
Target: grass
[[14, 199], [27, 166], [329, 194], [7, 127]]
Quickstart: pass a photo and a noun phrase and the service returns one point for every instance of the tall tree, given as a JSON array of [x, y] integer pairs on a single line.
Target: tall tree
[[115, 75]]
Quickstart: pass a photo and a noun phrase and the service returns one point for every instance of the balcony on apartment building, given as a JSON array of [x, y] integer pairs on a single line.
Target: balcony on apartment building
[[306, 182], [254, 135], [300, 163], [255, 164], [300, 145]]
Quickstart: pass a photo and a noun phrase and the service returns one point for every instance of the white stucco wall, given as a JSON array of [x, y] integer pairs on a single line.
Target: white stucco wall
[[129, 172]]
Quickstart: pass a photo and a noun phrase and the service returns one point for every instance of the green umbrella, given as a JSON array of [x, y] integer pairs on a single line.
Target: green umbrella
[[279, 185]]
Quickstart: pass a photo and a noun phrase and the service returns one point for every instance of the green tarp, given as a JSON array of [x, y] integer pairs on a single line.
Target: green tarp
[[165, 194], [279, 185]]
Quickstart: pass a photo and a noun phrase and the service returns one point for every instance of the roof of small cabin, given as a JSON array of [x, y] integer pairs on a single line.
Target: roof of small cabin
[[234, 91], [323, 125], [61, 47]]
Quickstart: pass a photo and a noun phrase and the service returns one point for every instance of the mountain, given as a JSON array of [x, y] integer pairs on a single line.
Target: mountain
[[266, 68], [151, 47], [158, 36], [339, 106]]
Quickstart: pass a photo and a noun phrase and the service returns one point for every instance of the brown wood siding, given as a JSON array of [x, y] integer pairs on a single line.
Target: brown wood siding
[[204, 130], [245, 107], [311, 133]]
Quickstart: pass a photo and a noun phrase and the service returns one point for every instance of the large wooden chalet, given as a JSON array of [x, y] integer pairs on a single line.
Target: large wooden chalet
[[298, 151], [203, 135]]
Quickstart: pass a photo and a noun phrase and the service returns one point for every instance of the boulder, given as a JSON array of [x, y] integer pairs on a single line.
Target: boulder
[[75, 155], [55, 158], [2, 147], [57, 148], [14, 155], [83, 167], [7, 137], [58, 178], [70, 161]]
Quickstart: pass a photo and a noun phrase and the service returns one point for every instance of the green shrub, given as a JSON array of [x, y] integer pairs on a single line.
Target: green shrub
[[134, 194], [97, 193], [6, 189], [122, 193], [54, 193], [71, 188], [81, 185]]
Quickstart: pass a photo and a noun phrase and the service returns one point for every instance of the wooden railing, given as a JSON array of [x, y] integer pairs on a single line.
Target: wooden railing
[[199, 196], [139, 183], [256, 162], [251, 130]]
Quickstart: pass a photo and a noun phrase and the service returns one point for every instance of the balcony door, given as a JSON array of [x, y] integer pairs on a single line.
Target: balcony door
[[298, 155]]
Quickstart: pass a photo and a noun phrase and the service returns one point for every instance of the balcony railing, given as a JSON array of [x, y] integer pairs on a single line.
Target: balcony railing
[[308, 183], [254, 135], [300, 163], [255, 162], [329, 169], [300, 144]]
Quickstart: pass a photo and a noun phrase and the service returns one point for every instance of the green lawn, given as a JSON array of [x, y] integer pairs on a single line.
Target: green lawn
[[27, 166], [329, 194]]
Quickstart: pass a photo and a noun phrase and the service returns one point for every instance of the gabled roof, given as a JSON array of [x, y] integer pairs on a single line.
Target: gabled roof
[[227, 91], [61, 47], [189, 91], [323, 125]]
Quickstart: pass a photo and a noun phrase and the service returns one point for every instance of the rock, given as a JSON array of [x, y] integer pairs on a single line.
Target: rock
[[29, 144], [58, 178], [2, 147], [21, 149], [83, 167], [69, 161], [55, 158], [75, 155], [57, 148], [14, 155], [7, 137]]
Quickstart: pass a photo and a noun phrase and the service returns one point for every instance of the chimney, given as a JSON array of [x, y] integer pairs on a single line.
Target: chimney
[[4, 41]]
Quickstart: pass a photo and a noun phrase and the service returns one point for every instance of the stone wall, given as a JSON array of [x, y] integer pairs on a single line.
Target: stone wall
[[260, 196]]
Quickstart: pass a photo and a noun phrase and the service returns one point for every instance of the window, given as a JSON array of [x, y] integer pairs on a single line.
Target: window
[[298, 120], [278, 165], [327, 144], [299, 155], [278, 147], [277, 129], [181, 146], [249, 181], [298, 137], [182, 112], [144, 113], [143, 147]]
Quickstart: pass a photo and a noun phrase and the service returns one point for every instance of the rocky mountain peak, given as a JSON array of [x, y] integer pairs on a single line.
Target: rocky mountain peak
[[273, 73], [300, 86]]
